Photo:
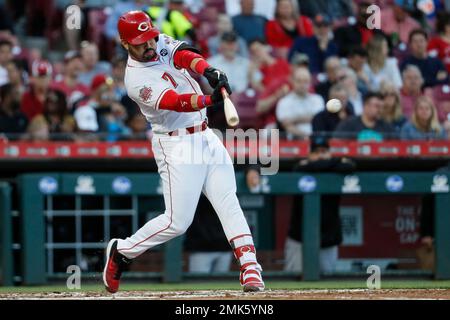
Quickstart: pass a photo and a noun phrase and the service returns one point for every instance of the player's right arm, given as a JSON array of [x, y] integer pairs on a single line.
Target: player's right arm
[[189, 102], [159, 97]]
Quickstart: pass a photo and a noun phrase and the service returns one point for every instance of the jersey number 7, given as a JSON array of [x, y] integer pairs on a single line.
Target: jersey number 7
[[166, 76]]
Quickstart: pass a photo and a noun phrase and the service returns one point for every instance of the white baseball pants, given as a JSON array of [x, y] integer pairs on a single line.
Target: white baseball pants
[[189, 164]]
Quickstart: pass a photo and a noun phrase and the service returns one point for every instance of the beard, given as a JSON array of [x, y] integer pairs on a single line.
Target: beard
[[149, 55]]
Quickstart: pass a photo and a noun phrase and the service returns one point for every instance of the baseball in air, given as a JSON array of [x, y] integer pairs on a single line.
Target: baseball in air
[[334, 105]]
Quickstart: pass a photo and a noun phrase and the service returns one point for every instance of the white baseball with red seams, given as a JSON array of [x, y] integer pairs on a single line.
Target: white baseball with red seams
[[183, 181]]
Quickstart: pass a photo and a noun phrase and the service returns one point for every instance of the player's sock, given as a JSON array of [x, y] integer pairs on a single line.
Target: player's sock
[[245, 253]]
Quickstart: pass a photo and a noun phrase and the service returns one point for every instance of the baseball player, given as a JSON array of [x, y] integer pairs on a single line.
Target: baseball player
[[157, 79]]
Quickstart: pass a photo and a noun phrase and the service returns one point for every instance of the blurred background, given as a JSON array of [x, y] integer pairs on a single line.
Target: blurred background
[[366, 184]]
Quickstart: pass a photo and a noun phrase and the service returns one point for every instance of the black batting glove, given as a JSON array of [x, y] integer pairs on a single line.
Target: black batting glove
[[217, 96], [214, 76]]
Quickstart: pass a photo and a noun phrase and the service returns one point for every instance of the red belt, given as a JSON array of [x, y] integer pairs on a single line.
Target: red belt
[[190, 130]]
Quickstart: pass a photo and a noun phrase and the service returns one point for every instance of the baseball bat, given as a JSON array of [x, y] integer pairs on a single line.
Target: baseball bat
[[230, 111]]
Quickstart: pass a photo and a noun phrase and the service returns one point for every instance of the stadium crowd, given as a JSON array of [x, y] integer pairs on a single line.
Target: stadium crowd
[[284, 59]]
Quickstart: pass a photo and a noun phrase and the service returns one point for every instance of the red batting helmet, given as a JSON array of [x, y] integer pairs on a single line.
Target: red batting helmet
[[136, 27]]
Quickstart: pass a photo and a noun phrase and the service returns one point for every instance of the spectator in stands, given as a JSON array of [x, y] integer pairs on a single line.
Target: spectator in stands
[[92, 65], [236, 67], [432, 69], [397, 23], [391, 111], [16, 75], [379, 66], [446, 127], [89, 9], [175, 24], [439, 45], [424, 123], [356, 59], [265, 8], [118, 66], [101, 113], [368, 126], [270, 69], [224, 25], [6, 56], [55, 119], [12, 120], [74, 90], [37, 130], [319, 160], [248, 25], [287, 26], [325, 122], [412, 89], [349, 80], [334, 72], [138, 125], [33, 99], [296, 110], [318, 47], [357, 34], [274, 91], [6, 18], [120, 8], [336, 10]]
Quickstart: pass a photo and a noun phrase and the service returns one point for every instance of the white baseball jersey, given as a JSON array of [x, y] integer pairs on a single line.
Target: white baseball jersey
[[146, 83]]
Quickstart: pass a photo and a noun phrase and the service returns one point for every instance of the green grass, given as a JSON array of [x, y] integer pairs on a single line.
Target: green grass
[[291, 285]]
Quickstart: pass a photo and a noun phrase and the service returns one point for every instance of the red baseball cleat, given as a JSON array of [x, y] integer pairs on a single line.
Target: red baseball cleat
[[115, 265], [251, 279]]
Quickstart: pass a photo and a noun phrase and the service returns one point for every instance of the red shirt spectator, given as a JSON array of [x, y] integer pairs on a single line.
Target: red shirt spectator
[[279, 69], [267, 102], [69, 84], [439, 45], [288, 25], [270, 68], [33, 99], [441, 48]]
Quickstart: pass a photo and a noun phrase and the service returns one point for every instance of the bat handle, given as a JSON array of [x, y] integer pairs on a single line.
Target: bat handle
[[224, 93]]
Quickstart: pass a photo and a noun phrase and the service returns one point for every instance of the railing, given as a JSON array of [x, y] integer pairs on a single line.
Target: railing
[[285, 149]]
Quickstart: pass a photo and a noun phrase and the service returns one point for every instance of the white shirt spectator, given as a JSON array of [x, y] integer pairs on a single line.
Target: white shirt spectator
[[293, 106], [236, 71], [390, 72]]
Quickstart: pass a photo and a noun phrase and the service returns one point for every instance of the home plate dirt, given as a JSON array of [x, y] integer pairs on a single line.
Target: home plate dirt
[[358, 294]]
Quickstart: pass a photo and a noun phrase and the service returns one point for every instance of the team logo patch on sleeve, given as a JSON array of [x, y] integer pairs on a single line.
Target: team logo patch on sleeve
[[164, 52], [145, 93]]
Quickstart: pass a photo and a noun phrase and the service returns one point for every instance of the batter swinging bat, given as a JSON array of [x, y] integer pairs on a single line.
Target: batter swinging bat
[[230, 111]]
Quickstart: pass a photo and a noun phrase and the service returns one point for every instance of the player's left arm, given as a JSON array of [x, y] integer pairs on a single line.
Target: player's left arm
[[188, 57]]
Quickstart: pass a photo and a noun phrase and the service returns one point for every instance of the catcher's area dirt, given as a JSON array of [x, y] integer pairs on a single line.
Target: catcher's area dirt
[[354, 294]]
